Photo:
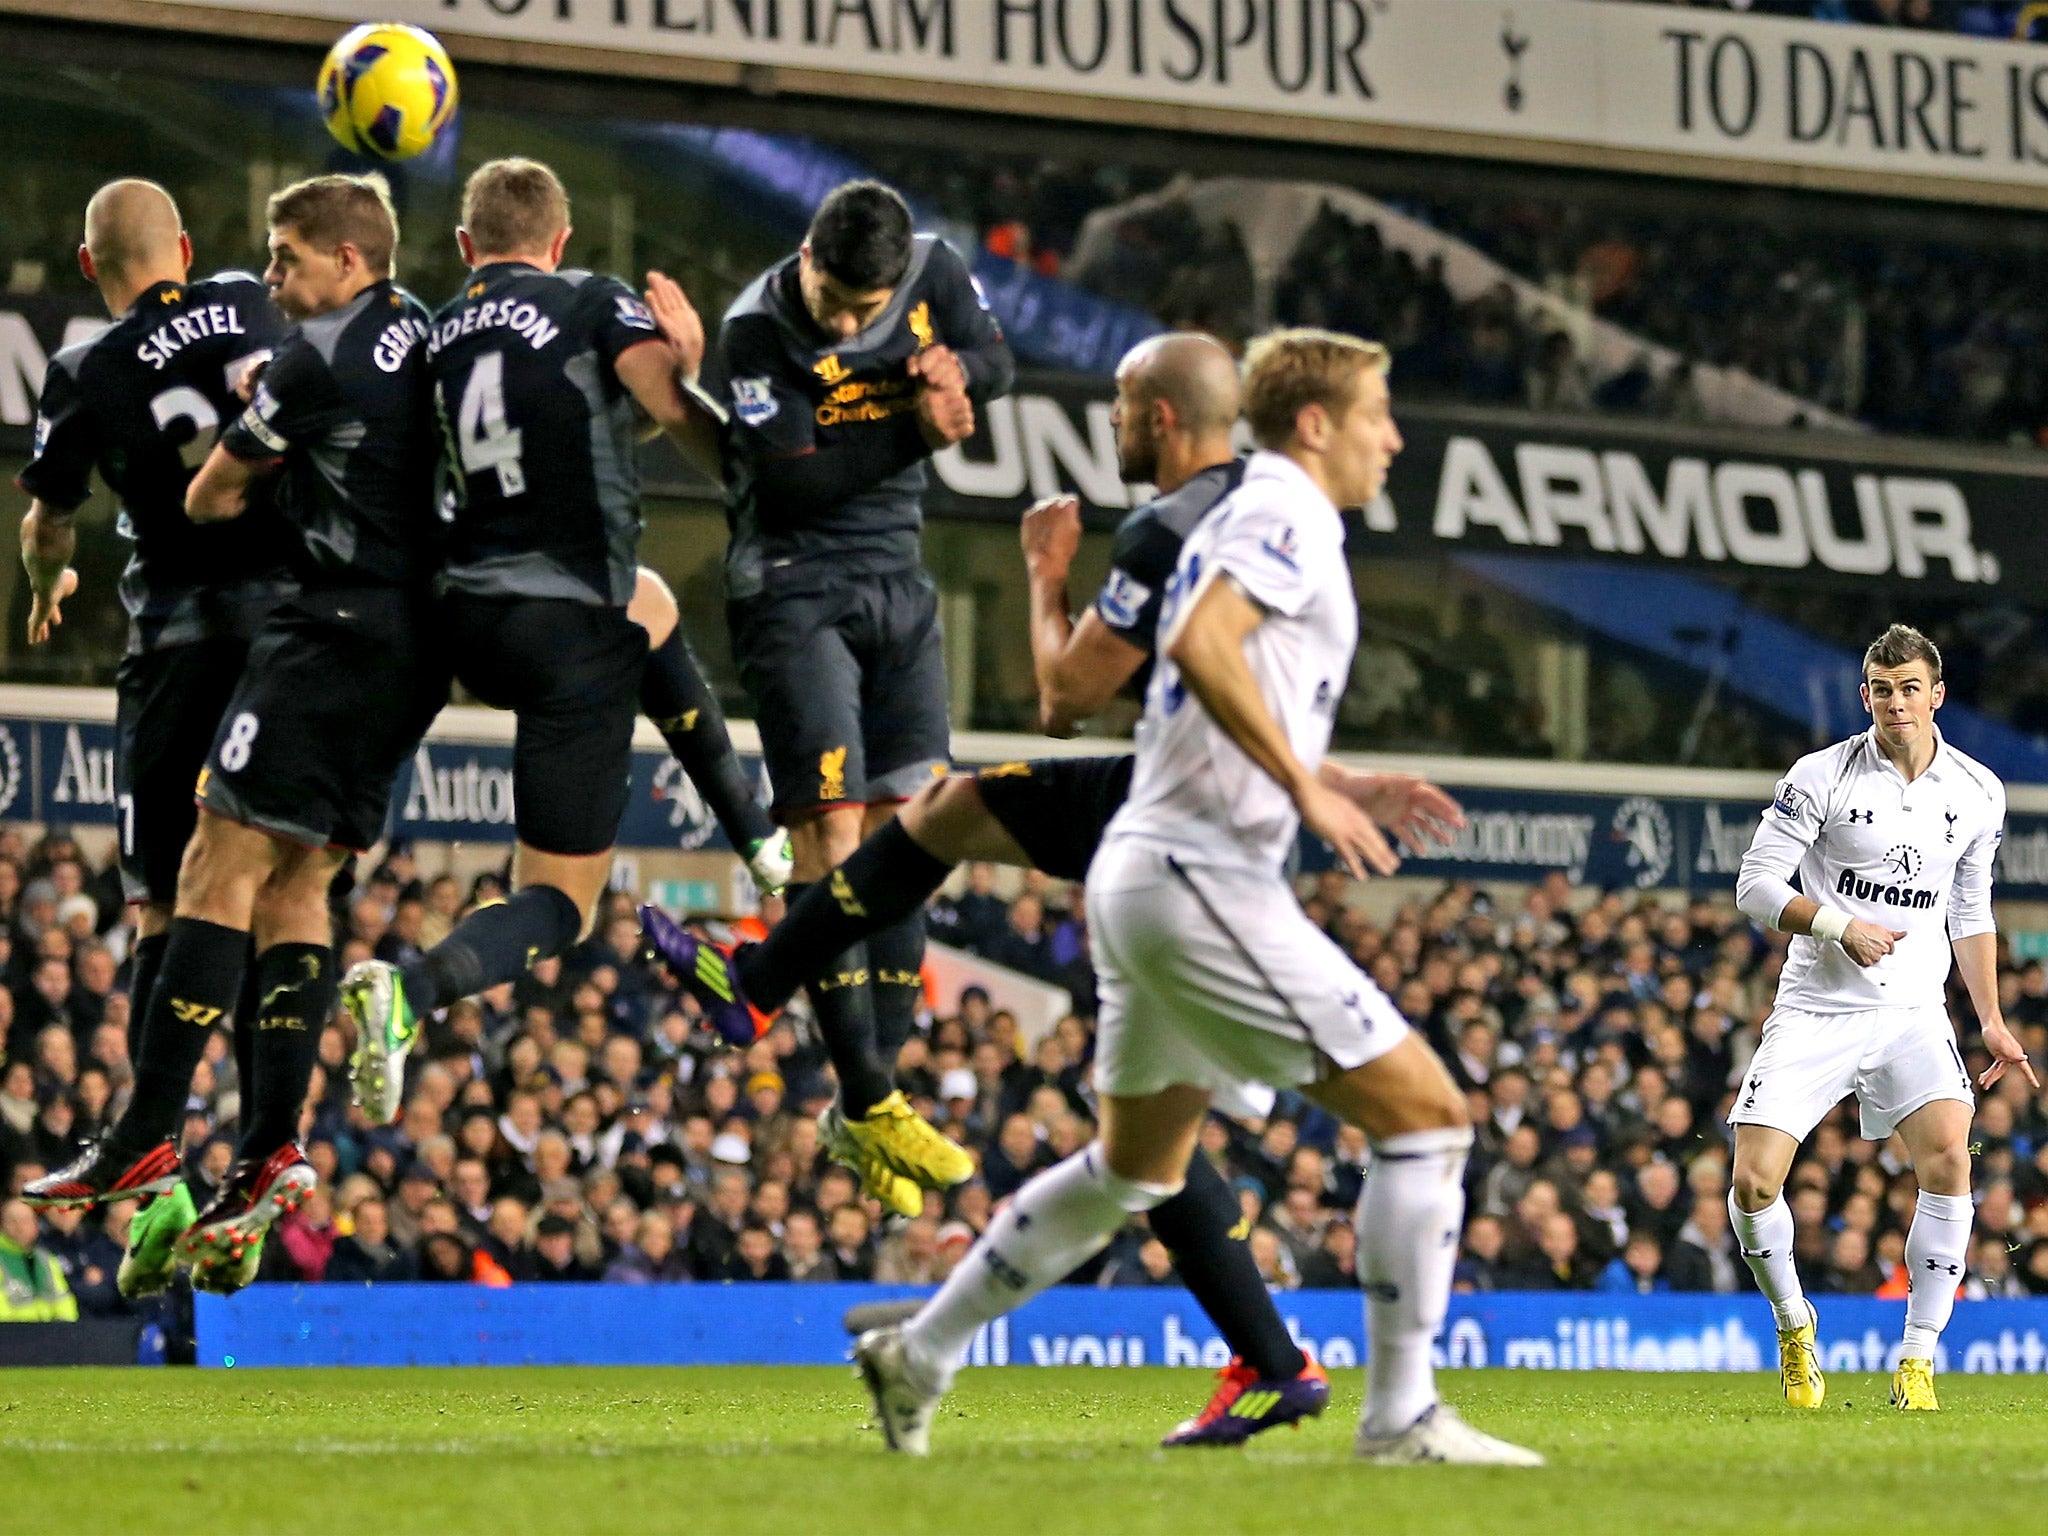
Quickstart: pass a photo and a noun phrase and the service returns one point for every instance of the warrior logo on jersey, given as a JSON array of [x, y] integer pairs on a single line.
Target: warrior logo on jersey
[[1123, 598], [921, 325], [753, 401], [1902, 861], [830, 370]]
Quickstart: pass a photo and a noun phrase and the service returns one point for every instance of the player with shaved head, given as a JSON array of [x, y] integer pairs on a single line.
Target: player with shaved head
[[142, 403], [1176, 406]]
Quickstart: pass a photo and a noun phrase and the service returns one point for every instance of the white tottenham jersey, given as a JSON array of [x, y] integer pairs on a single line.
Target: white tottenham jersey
[[1194, 790], [1911, 857]]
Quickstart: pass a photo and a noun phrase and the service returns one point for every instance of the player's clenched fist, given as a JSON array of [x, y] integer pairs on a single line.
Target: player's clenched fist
[[947, 416], [1866, 943], [939, 367], [1051, 535]]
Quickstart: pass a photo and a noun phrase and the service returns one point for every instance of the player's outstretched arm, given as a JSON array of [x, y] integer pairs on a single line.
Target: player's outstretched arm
[[1081, 666], [1405, 804], [1208, 647], [49, 539], [1977, 960], [651, 372]]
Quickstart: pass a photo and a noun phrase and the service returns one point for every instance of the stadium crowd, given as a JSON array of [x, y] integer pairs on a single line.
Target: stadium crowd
[[584, 1125]]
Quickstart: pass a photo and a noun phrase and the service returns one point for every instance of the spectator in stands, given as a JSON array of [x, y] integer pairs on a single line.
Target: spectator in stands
[[1705, 1256], [554, 1251], [33, 1288], [803, 1248], [367, 1252], [652, 1257], [1639, 1267], [89, 1258]]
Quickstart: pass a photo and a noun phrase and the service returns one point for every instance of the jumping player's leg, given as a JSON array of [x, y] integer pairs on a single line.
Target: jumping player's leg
[[676, 697], [205, 956], [890, 876], [572, 674], [821, 837], [906, 737], [296, 987]]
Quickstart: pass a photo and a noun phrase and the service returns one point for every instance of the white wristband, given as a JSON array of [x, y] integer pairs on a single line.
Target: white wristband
[[1829, 925]]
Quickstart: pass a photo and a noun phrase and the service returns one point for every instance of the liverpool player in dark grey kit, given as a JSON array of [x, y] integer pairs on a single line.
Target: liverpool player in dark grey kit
[[843, 368], [338, 689], [142, 403], [540, 379], [1177, 400]]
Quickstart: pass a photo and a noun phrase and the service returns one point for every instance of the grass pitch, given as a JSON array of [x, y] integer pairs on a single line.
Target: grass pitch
[[732, 1451]]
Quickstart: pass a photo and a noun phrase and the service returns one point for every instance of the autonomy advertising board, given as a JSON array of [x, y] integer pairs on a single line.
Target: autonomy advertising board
[[62, 770], [742, 1324]]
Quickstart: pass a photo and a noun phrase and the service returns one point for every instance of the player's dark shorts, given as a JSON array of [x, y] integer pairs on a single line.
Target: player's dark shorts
[[1057, 808], [168, 704], [339, 688], [849, 688], [571, 673]]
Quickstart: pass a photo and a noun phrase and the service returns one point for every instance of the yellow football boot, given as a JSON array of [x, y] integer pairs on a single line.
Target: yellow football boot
[[878, 1180], [907, 1144], [1799, 1364], [1913, 1386]]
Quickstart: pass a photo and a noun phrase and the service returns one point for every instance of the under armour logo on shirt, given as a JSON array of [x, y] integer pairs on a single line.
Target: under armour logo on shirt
[[1954, 1269], [1865, 817]]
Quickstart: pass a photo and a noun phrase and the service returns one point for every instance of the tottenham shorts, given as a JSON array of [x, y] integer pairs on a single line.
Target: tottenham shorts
[[1893, 1059], [1215, 978]]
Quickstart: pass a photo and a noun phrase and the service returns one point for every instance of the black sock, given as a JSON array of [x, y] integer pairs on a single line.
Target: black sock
[[1197, 1226], [897, 955], [497, 943], [297, 986], [675, 696], [196, 991], [149, 962], [886, 879], [244, 1040], [845, 1005]]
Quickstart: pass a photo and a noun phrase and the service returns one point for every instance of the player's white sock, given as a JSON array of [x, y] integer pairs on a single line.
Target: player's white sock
[[1936, 1248], [1409, 1219], [1766, 1238], [1056, 1223]]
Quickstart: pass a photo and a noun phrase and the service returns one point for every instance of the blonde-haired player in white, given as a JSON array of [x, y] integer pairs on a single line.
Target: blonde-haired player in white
[[1892, 834], [1211, 975]]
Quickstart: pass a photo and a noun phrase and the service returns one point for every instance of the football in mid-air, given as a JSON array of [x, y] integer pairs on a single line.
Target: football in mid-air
[[386, 89]]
